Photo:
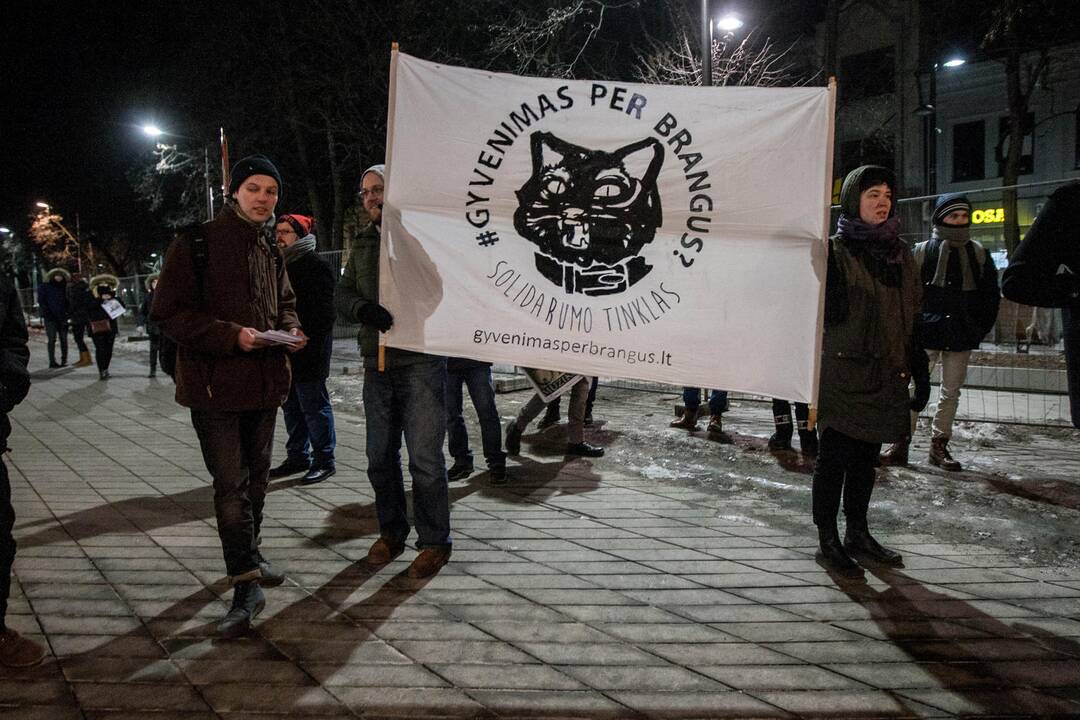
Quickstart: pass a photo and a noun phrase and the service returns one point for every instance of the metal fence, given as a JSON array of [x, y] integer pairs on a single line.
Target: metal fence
[[1017, 376]]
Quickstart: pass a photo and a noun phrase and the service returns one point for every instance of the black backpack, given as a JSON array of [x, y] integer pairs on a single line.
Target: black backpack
[[200, 259]]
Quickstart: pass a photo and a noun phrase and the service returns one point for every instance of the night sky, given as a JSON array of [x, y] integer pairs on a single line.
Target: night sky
[[80, 78]]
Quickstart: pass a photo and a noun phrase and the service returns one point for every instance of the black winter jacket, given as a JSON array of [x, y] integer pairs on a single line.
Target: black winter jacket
[[951, 318], [14, 356], [313, 281]]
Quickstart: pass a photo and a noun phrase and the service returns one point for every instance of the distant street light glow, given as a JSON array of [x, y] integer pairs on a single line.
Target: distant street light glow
[[44, 205], [729, 23], [954, 62], [153, 130], [5, 230]]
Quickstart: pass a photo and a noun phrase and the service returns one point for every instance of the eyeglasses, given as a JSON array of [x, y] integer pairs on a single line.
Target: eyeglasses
[[286, 232], [377, 190]]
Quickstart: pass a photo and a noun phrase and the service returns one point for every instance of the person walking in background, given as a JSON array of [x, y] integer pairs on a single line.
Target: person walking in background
[[80, 302], [15, 650], [476, 376], [222, 285], [53, 304], [153, 330], [575, 425], [552, 415], [103, 328], [718, 405], [960, 299], [309, 417], [868, 358]]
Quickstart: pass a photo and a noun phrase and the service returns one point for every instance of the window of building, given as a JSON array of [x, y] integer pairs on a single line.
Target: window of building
[[969, 151], [874, 150], [1027, 157], [868, 74]]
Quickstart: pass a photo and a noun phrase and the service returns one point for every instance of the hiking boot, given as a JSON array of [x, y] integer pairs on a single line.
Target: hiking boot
[[808, 443], [513, 439], [383, 551], [248, 602], [428, 562], [17, 651], [688, 421], [939, 455], [459, 470], [289, 467], [269, 576], [499, 475], [858, 541], [551, 417], [716, 424], [895, 456], [584, 449], [778, 442], [832, 554]]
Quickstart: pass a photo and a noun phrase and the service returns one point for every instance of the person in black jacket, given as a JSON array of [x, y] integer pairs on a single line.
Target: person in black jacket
[[15, 650], [103, 328], [153, 329], [53, 304], [960, 302], [1045, 271], [79, 303], [309, 417]]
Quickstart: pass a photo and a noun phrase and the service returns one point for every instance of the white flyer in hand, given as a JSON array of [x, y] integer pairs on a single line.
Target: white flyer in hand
[[113, 308], [278, 337]]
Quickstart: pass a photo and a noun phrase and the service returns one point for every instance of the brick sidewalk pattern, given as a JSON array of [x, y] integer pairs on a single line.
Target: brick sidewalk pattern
[[579, 590]]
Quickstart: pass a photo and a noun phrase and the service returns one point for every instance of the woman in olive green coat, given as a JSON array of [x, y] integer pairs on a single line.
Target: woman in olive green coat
[[868, 358]]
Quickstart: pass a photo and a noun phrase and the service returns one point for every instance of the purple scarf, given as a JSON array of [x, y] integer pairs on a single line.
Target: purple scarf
[[881, 242]]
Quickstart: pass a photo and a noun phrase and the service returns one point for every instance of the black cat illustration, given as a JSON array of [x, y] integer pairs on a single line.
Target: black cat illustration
[[590, 212]]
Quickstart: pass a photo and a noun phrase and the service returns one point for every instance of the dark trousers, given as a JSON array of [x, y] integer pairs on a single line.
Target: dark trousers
[[718, 402], [78, 329], [782, 418], [309, 420], [236, 449], [482, 391], [54, 328], [1071, 321], [103, 347], [845, 467], [7, 540], [155, 348]]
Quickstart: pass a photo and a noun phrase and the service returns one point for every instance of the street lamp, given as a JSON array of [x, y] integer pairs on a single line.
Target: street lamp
[[76, 237], [729, 23], [928, 112], [154, 131]]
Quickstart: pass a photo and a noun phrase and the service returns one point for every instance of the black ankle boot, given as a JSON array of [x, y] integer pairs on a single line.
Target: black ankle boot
[[858, 541], [248, 602], [832, 553]]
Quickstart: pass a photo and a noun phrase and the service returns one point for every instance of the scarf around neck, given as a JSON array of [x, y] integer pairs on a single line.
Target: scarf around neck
[[953, 240], [301, 247]]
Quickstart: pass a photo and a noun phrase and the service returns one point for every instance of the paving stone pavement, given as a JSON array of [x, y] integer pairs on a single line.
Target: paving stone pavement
[[579, 590]]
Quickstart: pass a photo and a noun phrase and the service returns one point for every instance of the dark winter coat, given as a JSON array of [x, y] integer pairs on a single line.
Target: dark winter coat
[[313, 282], [245, 285], [97, 312], [951, 318], [14, 356], [359, 285], [52, 300], [456, 364], [80, 302], [152, 328], [1033, 276]]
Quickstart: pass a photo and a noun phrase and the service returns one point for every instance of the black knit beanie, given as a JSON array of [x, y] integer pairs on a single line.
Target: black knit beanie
[[252, 165], [948, 203]]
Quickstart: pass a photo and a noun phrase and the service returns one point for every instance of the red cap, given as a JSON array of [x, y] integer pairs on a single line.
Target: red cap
[[302, 224]]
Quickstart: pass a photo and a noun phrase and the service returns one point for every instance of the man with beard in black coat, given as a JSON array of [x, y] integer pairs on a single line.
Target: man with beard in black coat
[[309, 417]]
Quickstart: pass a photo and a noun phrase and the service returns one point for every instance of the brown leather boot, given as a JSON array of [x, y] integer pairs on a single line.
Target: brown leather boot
[[688, 421], [896, 455], [939, 455], [84, 359]]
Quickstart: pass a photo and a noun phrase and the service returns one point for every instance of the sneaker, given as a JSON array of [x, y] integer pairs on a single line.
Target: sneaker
[[513, 439], [248, 602], [289, 467], [17, 651], [428, 562], [382, 551], [459, 470], [499, 475], [269, 576], [584, 449]]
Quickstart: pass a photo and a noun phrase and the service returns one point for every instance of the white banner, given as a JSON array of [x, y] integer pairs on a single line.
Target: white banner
[[663, 233]]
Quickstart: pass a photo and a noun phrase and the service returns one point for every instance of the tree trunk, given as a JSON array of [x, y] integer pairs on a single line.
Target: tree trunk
[[1011, 173]]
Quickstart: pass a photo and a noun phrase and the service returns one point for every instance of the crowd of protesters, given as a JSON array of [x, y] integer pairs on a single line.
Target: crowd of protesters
[[250, 308]]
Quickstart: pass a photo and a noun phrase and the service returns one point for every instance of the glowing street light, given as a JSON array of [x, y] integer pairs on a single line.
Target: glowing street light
[[5, 231], [43, 205], [153, 130], [954, 62], [729, 23]]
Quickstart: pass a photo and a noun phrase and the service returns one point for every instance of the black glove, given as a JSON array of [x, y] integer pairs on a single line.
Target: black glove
[[375, 315], [920, 373]]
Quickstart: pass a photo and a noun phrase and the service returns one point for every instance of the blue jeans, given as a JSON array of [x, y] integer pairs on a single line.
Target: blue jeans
[[54, 329], [7, 539], [410, 399], [482, 391], [309, 420], [691, 397]]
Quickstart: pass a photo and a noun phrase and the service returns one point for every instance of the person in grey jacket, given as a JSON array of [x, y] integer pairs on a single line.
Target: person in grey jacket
[[868, 357]]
